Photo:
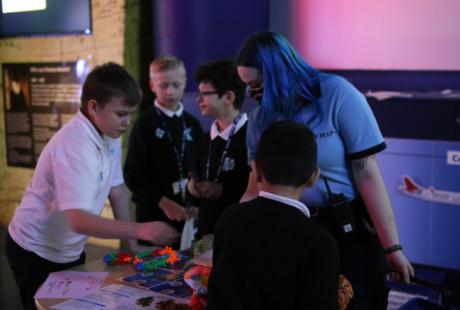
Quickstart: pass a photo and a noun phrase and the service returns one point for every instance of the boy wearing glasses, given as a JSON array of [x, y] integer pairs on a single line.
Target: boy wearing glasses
[[226, 168], [163, 149]]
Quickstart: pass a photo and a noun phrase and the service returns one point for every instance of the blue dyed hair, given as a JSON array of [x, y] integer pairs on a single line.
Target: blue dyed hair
[[289, 82]]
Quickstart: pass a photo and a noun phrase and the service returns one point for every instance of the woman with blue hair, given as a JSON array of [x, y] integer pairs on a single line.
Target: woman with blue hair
[[351, 202]]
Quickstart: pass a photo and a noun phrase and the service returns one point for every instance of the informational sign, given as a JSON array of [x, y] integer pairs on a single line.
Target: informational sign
[[39, 99]]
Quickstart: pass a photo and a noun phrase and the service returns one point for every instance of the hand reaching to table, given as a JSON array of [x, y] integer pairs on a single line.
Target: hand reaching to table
[[173, 210], [159, 233]]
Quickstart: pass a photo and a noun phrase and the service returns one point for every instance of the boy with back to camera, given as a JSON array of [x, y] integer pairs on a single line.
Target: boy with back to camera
[[77, 170], [226, 171], [267, 252], [163, 149]]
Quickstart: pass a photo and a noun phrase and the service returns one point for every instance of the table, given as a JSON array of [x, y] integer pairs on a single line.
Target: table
[[115, 272]]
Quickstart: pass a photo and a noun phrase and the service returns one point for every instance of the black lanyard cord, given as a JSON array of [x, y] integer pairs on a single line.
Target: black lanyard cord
[[224, 152], [178, 153]]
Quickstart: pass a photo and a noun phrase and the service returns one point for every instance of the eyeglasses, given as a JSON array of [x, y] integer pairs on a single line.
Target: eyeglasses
[[207, 93], [255, 85], [255, 88], [254, 92], [202, 94]]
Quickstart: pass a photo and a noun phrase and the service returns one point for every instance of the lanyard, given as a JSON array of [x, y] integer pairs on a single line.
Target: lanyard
[[224, 152], [179, 153]]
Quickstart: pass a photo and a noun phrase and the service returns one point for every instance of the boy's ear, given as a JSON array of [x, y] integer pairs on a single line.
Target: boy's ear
[[314, 177], [152, 86], [92, 107], [230, 96]]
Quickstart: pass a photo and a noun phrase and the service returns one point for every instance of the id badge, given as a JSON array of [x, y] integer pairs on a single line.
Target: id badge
[[183, 185], [179, 187], [188, 134], [176, 187], [229, 164], [159, 133]]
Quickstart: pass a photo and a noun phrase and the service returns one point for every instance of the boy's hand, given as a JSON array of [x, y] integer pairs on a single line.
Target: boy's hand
[[173, 210], [210, 190], [192, 185], [159, 233], [133, 247]]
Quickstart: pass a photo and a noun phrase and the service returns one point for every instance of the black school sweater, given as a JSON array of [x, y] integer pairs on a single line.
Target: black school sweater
[[234, 181], [269, 255], [151, 165]]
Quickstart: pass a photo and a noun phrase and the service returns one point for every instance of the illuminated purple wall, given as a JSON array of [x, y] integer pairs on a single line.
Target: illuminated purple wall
[[382, 35], [202, 30]]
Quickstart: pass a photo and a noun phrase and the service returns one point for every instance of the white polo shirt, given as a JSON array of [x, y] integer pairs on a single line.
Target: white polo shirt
[[76, 170]]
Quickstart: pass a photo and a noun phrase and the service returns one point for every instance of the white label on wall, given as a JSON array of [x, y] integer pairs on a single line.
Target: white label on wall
[[453, 158]]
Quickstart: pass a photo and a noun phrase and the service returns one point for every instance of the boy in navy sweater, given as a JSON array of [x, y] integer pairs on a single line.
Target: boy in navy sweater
[[226, 169], [163, 149], [268, 254]]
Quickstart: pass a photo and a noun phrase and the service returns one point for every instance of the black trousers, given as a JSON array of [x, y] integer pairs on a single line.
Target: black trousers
[[31, 270], [362, 260], [363, 265]]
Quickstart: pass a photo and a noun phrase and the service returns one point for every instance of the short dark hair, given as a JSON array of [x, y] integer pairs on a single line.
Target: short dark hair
[[223, 76], [109, 81], [287, 154]]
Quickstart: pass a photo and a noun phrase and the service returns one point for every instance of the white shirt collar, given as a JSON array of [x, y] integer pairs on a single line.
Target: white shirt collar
[[92, 132], [226, 133], [289, 201], [168, 112]]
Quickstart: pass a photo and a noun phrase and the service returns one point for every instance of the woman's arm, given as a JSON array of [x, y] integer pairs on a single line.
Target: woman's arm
[[372, 189]]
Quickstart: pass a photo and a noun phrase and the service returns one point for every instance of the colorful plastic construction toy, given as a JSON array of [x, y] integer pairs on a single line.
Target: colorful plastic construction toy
[[160, 258]]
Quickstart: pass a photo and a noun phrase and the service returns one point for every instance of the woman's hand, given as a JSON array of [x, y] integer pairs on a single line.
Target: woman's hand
[[401, 269]]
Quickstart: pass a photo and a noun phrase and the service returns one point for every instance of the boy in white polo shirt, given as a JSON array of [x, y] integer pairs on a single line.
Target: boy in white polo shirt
[[77, 171]]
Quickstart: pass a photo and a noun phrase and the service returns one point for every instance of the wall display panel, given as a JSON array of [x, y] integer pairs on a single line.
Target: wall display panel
[[39, 99], [427, 208]]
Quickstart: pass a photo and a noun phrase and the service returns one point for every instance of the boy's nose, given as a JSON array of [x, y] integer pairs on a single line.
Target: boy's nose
[[127, 121], [170, 90]]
